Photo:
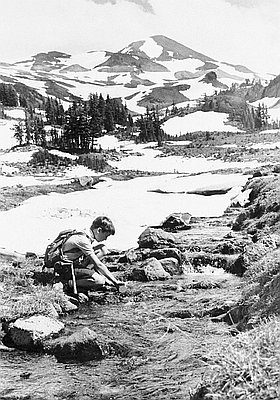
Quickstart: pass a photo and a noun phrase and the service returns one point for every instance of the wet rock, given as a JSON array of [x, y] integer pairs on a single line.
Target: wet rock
[[154, 270], [171, 265], [29, 333], [230, 263], [84, 345], [136, 274], [167, 253], [236, 314], [205, 284], [132, 256], [155, 238], [182, 314], [70, 305]]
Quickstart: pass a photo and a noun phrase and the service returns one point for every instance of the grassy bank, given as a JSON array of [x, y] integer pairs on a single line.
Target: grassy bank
[[22, 295], [249, 368]]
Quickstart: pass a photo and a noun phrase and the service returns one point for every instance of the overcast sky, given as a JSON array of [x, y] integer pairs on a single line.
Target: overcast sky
[[237, 31]]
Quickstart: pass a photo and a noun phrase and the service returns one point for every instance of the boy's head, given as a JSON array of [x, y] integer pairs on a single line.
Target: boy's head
[[102, 227]]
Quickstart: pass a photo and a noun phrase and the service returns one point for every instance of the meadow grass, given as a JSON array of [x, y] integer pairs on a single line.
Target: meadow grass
[[248, 369], [21, 295]]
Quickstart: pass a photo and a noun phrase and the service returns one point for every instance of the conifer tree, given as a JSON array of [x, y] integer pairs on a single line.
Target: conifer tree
[[19, 132], [108, 116]]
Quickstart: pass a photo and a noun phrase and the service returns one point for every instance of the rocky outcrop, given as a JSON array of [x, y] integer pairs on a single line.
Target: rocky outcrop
[[263, 211]]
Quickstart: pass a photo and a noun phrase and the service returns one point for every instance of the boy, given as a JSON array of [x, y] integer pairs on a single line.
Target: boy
[[85, 253]]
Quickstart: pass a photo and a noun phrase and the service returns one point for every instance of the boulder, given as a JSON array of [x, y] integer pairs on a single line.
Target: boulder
[[154, 238], [177, 221], [84, 345], [171, 265], [154, 270], [29, 333]]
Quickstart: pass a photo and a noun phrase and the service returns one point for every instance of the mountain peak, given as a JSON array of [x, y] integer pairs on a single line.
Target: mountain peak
[[162, 48]]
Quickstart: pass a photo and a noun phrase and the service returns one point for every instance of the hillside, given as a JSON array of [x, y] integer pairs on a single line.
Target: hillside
[[155, 71]]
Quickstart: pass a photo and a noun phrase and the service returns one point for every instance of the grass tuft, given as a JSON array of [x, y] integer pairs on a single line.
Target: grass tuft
[[20, 296]]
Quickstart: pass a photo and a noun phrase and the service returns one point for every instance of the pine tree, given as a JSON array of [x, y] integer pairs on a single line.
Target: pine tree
[[19, 132], [108, 116]]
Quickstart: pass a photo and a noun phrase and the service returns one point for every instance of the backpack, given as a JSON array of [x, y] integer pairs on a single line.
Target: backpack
[[54, 251]]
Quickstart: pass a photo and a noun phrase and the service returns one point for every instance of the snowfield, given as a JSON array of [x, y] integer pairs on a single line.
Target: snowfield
[[133, 205], [198, 121], [7, 139]]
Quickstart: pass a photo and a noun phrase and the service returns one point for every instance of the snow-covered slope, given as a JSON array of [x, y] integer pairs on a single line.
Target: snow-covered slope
[[157, 70]]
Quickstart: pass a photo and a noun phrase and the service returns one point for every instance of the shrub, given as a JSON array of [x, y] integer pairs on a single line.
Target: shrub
[[93, 161], [44, 157]]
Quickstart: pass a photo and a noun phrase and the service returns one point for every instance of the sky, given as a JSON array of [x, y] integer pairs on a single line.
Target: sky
[[236, 31]]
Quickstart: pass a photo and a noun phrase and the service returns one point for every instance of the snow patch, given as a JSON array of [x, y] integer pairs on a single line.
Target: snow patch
[[151, 48], [198, 121], [7, 139], [16, 113]]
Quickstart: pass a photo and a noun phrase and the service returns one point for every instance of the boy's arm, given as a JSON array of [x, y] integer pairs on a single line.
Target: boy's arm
[[103, 270], [85, 246]]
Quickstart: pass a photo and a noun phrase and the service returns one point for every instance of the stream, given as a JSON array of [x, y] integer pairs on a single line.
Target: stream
[[166, 326]]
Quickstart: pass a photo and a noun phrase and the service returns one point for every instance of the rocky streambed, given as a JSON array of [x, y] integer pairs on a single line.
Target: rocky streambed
[[152, 340]]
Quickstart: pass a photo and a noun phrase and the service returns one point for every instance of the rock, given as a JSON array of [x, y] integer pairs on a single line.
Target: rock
[[29, 333], [53, 311], [154, 270], [236, 314], [167, 253], [136, 274], [229, 262], [171, 265], [177, 221], [84, 345], [70, 306], [132, 256], [155, 238], [86, 180]]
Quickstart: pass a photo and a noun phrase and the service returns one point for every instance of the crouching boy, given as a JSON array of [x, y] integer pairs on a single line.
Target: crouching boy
[[84, 251]]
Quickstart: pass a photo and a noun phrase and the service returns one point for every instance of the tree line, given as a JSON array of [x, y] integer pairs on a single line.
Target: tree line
[[75, 129]]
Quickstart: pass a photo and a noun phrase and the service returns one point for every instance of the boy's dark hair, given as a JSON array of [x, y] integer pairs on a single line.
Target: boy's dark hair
[[104, 223]]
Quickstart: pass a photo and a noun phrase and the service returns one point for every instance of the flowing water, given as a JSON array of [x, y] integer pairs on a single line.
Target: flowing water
[[166, 327]]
